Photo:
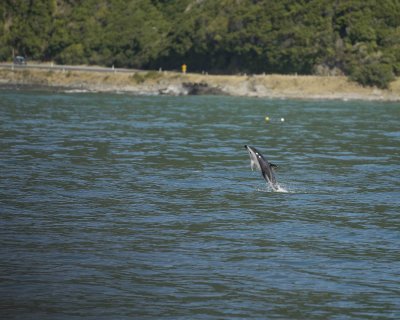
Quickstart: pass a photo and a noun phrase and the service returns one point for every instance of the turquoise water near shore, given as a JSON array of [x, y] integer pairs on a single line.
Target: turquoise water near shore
[[117, 206]]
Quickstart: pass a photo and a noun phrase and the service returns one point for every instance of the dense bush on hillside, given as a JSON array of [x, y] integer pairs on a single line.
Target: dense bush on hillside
[[359, 38]]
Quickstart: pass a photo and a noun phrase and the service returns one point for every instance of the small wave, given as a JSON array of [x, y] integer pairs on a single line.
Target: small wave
[[77, 91]]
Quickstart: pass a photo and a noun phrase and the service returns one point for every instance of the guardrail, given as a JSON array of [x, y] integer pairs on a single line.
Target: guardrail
[[13, 66]]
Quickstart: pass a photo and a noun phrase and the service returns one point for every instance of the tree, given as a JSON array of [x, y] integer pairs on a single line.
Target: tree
[[356, 38]]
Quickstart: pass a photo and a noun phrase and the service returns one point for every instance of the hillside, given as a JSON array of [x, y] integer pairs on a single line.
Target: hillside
[[360, 39]]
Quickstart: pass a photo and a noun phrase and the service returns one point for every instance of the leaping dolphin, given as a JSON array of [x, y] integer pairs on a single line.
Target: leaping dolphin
[[257, 161]]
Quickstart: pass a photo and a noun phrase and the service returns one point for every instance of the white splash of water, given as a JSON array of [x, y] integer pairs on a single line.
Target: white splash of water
[[281, 189], [267, 188]]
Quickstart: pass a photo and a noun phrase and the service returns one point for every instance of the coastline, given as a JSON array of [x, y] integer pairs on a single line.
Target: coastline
[[175, 84]]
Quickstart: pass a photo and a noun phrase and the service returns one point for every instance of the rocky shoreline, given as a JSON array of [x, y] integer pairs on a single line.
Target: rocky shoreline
[[177, 84]]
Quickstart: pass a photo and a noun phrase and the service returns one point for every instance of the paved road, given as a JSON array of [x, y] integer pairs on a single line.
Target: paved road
[[65, 67]]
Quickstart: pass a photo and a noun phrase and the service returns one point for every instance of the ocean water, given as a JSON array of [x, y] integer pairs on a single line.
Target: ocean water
[[125, 207]]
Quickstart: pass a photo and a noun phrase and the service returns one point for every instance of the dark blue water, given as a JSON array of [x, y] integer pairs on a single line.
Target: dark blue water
[[123, 207]]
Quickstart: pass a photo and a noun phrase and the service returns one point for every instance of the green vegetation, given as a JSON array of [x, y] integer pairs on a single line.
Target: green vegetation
[[358, 38], [141, 77]]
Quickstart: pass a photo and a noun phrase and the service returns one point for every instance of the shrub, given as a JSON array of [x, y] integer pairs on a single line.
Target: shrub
[[74, 54], [140, 77], [373, 74]]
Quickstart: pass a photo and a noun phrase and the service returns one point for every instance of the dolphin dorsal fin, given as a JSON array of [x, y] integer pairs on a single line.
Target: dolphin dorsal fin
[[273, 166]]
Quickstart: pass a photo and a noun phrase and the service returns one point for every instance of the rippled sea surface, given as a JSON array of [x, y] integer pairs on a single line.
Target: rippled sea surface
[[124, 207]]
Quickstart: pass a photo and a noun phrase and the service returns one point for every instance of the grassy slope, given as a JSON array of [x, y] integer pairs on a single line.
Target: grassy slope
[[154, 82]]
